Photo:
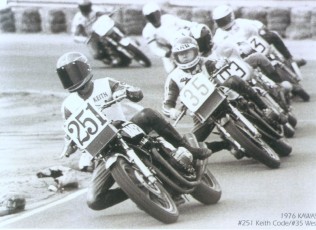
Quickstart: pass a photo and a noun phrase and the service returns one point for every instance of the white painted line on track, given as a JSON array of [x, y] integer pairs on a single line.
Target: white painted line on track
[[41, 209]]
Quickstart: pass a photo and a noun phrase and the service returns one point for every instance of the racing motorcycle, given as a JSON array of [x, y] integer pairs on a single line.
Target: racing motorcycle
[[272, 131], [112, 37], [210, 105], [267, 89], [142, 165], [289, 71]]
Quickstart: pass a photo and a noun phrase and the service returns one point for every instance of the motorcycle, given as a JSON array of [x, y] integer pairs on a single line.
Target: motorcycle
[[210, 105], [289, 71], [267, 89], [111, 36], [272, 131], [142, 165]]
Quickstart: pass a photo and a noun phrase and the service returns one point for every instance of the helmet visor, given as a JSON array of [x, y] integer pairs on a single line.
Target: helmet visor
[[73, 74], [186, 56], [154, 18], [85, 9], [225, 21]]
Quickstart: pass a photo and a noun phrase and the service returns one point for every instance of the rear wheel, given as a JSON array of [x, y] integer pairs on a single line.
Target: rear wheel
[[209, 191], [254, 147], [150, 197]]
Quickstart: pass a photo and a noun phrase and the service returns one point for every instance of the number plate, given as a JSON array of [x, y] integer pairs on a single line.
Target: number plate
[[89, 128], [103, 25], [237, 68], [259, 44], [196, 92], [132, 130]]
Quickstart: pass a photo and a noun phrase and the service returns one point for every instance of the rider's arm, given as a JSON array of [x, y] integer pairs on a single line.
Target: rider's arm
[[274, 38], [134, 94], [171, 95]]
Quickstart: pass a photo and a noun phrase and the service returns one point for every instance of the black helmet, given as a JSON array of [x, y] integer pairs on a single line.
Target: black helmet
[[73, 70], [85, 6], [152, 13], [203, 36]]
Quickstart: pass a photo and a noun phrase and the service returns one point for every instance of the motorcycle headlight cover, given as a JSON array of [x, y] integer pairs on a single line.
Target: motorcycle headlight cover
[[73, 70]]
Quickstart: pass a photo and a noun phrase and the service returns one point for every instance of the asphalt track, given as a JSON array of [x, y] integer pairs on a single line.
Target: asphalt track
[[253, 196]]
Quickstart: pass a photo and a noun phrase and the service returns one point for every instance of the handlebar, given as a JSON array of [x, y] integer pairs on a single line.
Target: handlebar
[[109, 103]]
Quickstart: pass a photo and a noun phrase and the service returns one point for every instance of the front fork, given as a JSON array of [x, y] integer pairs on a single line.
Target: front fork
[[132, 158]]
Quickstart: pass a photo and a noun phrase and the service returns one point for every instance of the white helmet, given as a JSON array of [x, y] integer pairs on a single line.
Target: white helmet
[[224, 16], [186, 52], [152, 13]]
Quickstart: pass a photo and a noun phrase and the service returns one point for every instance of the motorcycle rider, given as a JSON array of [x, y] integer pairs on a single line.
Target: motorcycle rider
[[81, 29], [75, 75], [189, 63], [160, 32], [241, 29]]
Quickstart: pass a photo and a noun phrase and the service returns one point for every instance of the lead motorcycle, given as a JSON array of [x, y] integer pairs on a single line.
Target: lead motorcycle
[[112, 36], [210, 105], [142, 165]]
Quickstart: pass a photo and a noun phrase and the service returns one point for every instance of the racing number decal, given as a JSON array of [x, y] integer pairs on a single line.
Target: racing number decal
[[84, 124], [196, 92], [232, 70], [257, 45], [199, 89]]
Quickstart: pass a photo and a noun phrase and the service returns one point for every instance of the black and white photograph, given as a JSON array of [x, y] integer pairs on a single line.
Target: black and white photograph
[[157, 114]]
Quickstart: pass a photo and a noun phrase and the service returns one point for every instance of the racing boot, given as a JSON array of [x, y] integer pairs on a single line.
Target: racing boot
[[172, 136]]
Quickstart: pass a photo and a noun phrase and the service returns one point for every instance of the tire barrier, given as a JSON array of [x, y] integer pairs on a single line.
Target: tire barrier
[[7, 20], [182, 12], [203, 16], [57, 21], [258, 13], [31, 21], [133, 20], [300, 27], [313, 23], [292, 23], [278, 19]]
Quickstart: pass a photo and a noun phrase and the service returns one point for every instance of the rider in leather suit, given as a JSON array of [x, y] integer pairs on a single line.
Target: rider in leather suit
[[75, 75]]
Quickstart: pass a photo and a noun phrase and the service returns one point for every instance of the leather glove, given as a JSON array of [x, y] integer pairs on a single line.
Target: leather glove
[[245, 49], [119, 93], [174, 113], [220, 63]]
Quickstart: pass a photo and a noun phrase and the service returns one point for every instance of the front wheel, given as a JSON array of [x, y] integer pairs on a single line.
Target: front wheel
[[152, 198], [139, 56], [209, 191], [256, 148]]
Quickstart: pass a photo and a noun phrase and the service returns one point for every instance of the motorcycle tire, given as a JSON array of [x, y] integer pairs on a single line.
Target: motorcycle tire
[[281, 147], [289, 131], [139, 56], [209, 191], [257, 149], [267, 130], [152, 198], [302, 94], [292, 120]]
